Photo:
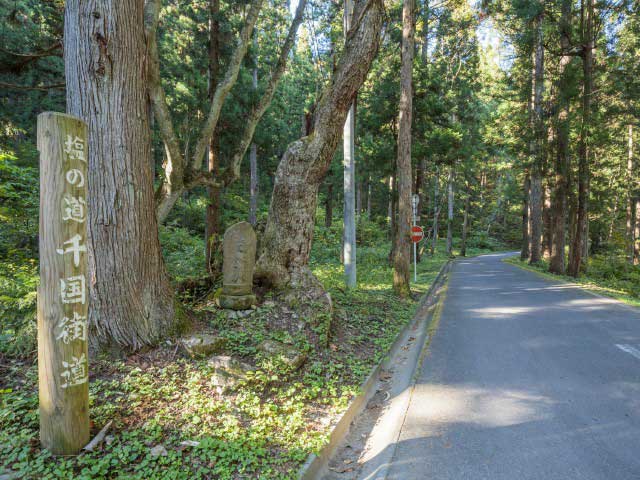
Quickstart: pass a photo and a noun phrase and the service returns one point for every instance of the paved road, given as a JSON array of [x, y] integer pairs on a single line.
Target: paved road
[[525, 379]]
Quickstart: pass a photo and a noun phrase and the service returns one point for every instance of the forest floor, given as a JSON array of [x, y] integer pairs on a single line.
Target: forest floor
[[610, 276], [175, 416]]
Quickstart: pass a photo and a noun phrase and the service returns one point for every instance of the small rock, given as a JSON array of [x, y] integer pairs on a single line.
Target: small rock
[[190, 443], [109, 439], [227, 371], [159, 451], [289, 355], [203, 344], [269, 304]]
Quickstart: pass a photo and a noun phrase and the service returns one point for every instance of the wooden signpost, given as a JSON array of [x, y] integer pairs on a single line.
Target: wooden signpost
[[63, 292]]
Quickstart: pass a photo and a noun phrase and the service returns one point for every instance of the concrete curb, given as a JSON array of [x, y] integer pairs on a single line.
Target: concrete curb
[[316, 465]]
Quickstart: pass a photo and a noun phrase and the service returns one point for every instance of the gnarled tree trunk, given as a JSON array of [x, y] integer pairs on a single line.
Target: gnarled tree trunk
[[105, 66], [286, 244]]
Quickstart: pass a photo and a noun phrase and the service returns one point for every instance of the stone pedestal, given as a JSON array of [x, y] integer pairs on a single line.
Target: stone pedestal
[[238, 261]]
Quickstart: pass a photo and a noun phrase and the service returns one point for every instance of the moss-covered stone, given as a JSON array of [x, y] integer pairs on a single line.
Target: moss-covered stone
[[290, 355], [203, 345]]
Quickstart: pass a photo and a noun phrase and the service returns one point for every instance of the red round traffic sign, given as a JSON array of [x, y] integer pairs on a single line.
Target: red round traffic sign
[[417, 234]]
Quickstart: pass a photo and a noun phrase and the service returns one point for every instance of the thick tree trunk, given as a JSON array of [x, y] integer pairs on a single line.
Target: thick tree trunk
[[465, 223], [631, 200], [450, 213], [402, 249], [436, 211], [547, 233], [288, 234], [524, 251], [581, 235], [537, 149], [131, 301], [213, 218], [562, 159]]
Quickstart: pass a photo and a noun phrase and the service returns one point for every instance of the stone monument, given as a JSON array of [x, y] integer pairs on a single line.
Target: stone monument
[[238, 260]]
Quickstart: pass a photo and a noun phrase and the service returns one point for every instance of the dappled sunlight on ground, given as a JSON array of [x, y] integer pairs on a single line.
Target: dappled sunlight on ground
[[501, 312], [483, 407]]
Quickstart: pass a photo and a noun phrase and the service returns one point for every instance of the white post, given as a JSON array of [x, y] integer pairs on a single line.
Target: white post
[[349, 238]]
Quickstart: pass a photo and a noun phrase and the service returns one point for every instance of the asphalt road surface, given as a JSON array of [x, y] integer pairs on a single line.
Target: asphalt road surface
[[525, 378]]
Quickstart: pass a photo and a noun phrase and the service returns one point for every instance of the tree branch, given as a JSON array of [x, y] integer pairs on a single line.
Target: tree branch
[[225, 85], [233, 173], [174, 165], [43, 88]]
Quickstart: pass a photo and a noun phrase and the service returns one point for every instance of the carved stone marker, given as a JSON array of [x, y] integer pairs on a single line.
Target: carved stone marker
[[239, 256], [63, 368]]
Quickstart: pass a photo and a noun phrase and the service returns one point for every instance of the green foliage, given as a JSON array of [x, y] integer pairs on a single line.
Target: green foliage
[[183, 252], [18, 247]]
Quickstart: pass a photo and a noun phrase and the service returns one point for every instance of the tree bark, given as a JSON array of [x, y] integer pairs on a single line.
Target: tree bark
[[213, 217], [581, 238], [636, 253], [524, 251], [132, 303], [328, 206], [547, 231], [253, 154], [450, 213], [402, 249], [391, 211], [465, 223], [537, 147], [288, 234], [436, 210], [631, 200], [562, 159], [369, 198]]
